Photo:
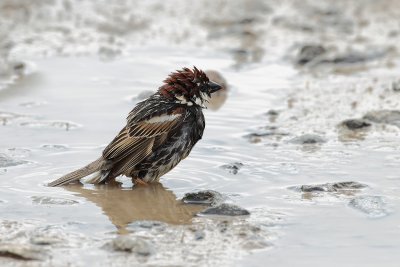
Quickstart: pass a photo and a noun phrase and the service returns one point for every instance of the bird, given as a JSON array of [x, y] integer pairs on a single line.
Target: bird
[[160, 131]]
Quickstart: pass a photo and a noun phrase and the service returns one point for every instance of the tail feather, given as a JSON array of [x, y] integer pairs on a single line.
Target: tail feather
[[80, 173]]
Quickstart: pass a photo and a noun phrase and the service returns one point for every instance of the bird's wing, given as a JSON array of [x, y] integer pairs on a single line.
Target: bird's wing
[[140, 136]]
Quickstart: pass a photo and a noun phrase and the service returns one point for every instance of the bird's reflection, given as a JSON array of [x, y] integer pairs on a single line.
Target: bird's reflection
[[152, 202]]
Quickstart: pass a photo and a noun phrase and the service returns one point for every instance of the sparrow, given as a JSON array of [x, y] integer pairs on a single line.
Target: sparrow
[[160, 132]]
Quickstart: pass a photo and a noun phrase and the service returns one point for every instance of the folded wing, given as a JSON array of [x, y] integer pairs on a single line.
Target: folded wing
[[139, 138]]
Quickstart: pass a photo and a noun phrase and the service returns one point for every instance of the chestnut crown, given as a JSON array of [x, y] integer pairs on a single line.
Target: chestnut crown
[[188, 86]]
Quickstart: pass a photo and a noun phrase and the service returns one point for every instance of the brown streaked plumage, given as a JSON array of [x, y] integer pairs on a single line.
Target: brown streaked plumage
[[159, 133]]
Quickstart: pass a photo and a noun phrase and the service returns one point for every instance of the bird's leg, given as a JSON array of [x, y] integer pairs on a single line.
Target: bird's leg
[[138, 181]]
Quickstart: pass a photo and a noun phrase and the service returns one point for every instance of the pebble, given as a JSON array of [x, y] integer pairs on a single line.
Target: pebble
[[22, 251], [225, 210], [330, 187], [206, 197], [308, 139]]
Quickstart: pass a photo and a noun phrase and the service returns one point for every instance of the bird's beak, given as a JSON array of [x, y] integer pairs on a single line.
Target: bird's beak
[[213, 87]]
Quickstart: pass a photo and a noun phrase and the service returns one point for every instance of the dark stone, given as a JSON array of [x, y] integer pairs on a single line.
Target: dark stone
[[207, 197], [396, 86], [309, 53], [355, 124], [225, 210], [373, 206], [43, 200], [272, 112], [22, 251], [330, 187], [307, 139], [233, 167], [270, 131], [384, 116]]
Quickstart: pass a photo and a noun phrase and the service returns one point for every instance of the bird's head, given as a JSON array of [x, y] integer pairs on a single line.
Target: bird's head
[[189, 86]]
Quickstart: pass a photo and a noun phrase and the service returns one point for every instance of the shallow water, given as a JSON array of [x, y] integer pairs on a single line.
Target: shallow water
[[61, 114]]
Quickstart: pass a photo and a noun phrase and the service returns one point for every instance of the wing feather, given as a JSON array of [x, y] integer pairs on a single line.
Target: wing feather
[[139, 138]]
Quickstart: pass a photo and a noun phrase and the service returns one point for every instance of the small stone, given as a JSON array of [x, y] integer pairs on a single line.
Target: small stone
[[42, 200], [225, 210], [330, 187], [396, 86], [309, 53], [22, 251], [270, 131], [373, 206], [206, 197], [136, 245], [233, 167], [308, 139], [356, 124], [45, 240], [272, 112]]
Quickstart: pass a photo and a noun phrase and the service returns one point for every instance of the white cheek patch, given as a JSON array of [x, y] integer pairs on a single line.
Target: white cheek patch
[[163, 118], [182, 100]]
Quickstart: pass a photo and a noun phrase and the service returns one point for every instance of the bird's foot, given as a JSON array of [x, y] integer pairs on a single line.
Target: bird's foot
[[138, 181]]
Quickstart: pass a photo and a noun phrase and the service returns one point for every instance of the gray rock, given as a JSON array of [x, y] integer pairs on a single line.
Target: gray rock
[[373, 206], [384, 116], [225, 210], [270, 131], [22, 251], [6, 161], [43, 200], [330, 187], [396, 86], [44, 240], [355, 124], [206, 197], [136, 245], [233, 167], [308, 139], [309, 53]]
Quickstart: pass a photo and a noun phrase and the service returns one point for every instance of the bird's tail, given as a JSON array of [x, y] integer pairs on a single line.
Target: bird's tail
[[80, 173]]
